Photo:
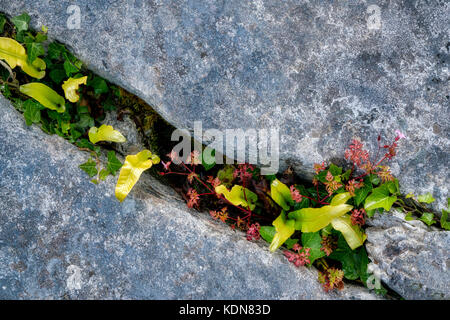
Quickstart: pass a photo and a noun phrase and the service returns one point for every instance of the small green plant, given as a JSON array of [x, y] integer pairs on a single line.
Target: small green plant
[[318, 223]]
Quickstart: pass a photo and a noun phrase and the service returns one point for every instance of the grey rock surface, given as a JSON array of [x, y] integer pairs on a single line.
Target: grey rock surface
[[62, 237], [320, 71], [411, 258]]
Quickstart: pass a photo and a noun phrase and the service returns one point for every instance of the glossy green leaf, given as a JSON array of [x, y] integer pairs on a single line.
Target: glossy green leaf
[[34, 50], [70, 87], [32, 112], [105, 133], [284, 228], [15, 55], [312, 240], [268, 232], [208, 158], [281, 194], [99, 85], [237, 197], [362, 193], [113, 164], [314, 219], [379, 198], [353, 234], [90, 167], [427, 218], [131, 172], [21, 22], [48, 97], [354, 262], [426, 198], [103, 174]]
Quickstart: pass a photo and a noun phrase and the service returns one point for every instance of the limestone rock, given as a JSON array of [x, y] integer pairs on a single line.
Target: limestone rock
[[320, 72]]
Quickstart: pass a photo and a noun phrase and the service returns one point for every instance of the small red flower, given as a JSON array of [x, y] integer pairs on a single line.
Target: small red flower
[[356, 154], [385, 174], [296, 196], [332, 279], [319, 167], [222, 215], [332, 185], [328, 245], [193, 198], [242, 172], [358, 217], [300, 258], [352, 185], [213, 181], [253, 232], [191, 176]]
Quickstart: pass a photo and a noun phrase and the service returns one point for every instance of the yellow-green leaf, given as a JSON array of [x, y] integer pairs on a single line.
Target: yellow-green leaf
[[15, 55], [131, 171], [48, 97], [237, 197], [353, 234], [314, 219], [281, 194], [105, 133], [70, 87], [284, 228], [340, 198]]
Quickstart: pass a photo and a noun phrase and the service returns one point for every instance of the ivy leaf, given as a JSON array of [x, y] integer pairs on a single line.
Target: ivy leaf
[[284, 228], [374, 179], [15, 55], [353, 234], [236, 196], [45, 95], [313, 241], [268, 232], [361, 193], [103, 174], [208, 158], [32, 112], [281, 194], [379, 198], [70, 68], [113, 164], [105, 133], [354, 262], [55, 50], [21, 22], [131, 172], [34, 50], [335, 170], [99, 85], [90, 167], [409, 217], [57, 75], [427, 217], [426, 198], [70, 87]]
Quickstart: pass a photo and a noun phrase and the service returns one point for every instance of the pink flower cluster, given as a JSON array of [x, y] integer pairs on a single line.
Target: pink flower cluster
[[300, 258], [253, 232]]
